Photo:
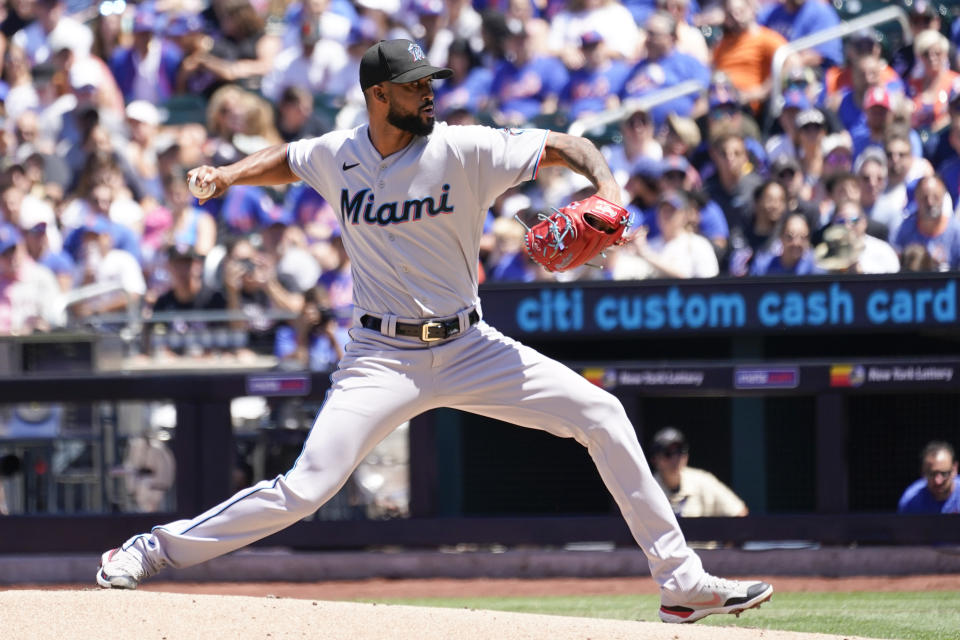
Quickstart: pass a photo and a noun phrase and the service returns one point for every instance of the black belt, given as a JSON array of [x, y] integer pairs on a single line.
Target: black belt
[[428, 331]]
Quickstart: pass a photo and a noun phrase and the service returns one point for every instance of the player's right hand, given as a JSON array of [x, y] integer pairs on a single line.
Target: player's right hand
[[209, 175]]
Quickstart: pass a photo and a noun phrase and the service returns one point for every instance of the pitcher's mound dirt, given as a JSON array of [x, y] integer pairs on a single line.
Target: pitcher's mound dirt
[[95, 613]]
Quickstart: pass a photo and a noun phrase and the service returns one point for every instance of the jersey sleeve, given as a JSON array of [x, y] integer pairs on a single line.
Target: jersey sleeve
[[310, 159], [497, 159]]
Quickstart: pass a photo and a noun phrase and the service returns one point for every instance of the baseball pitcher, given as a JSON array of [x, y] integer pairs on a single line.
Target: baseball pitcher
[[412, 195]]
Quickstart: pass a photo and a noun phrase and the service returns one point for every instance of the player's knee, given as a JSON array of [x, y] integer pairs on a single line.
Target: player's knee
[[608, 420]]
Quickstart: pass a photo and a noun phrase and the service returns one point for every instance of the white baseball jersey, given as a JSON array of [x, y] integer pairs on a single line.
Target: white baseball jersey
[[412, 221], [412, 224]]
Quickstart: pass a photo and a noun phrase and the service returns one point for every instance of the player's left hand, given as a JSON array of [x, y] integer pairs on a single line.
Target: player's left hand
[[569, 237]]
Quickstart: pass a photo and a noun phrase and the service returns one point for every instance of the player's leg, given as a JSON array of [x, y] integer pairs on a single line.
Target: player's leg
[[517, 384], [369, 397]]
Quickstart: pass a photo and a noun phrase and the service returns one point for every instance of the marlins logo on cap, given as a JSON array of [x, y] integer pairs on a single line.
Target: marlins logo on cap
[[397, 61], [416, 52]]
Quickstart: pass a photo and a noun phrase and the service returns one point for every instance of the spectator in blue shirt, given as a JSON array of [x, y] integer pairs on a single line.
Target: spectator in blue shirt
[[593, 87], [525, 85], [313, 341], [664, 67], [794, 258], [937, 491], [138, 76], [932, 225], [469, 86], [794, 19]]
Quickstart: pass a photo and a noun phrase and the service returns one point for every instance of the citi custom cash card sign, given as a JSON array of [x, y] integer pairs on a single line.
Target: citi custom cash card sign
[[725, 305]]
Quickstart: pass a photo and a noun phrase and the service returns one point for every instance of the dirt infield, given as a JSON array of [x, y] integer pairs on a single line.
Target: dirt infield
[[152, 615]]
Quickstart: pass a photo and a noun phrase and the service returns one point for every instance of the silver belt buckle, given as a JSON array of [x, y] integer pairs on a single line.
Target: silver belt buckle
[[427, 331]]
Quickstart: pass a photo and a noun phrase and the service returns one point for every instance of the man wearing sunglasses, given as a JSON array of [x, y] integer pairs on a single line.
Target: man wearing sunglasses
[[937, 491], [692, 492]]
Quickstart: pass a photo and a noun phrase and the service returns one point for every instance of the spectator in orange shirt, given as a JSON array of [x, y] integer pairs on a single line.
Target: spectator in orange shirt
[[930, 89], [745, 52], [865, 42]]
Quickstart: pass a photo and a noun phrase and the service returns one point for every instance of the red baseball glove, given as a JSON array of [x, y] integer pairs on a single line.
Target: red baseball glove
[[571, 236]]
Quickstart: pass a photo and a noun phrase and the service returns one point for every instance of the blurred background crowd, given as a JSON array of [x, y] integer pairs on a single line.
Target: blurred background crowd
[[844, 160]]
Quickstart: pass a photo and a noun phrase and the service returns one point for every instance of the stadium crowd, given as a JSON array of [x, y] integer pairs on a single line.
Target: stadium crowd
[[852, 164]]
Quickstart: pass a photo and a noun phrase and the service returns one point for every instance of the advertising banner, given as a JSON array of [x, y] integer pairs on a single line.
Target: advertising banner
[[723, 306]]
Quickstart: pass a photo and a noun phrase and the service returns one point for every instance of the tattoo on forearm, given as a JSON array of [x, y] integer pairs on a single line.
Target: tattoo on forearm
[[580, 156]]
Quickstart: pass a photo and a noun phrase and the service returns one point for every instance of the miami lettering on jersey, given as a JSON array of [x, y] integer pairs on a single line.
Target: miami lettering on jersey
[[361, 206]]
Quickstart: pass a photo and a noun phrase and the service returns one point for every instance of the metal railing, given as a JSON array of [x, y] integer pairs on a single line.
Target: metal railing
[[587, 123], [887, 14]]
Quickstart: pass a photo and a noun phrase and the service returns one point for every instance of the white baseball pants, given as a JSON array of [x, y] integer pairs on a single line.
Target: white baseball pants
[[382, 382]]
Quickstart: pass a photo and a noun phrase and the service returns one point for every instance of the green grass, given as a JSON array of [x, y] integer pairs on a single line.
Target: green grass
[[933, 615]]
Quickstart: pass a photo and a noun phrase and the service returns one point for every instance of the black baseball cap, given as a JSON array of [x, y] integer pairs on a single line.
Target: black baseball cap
[[397, 61]]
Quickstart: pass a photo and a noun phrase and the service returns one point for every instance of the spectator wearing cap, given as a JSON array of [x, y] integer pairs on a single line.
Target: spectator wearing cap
[[930, 84], [727, 113], [793, 256], [147, 69], [469, 86], [643, 189], [785, 143], [309, 64], [662, 67], [866, 253], [837, 150], [871, 169], [879, 114], [51, 24], [89, 110], [36, 242], [140, 153], [866, 75], [812, 128], [593, 88], [922, 16], [680, 137], [29, 293], [525, 85], [795, 19], [607, 17], [731, 187], [932, 225], [707, 219], [689, 38], [187, 293], [692, 492], [676, 252], [638, 141], [100, 262], [745, 52]]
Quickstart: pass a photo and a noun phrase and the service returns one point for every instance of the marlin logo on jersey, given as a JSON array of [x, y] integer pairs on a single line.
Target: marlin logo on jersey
[[362, 206], [416, 52]]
